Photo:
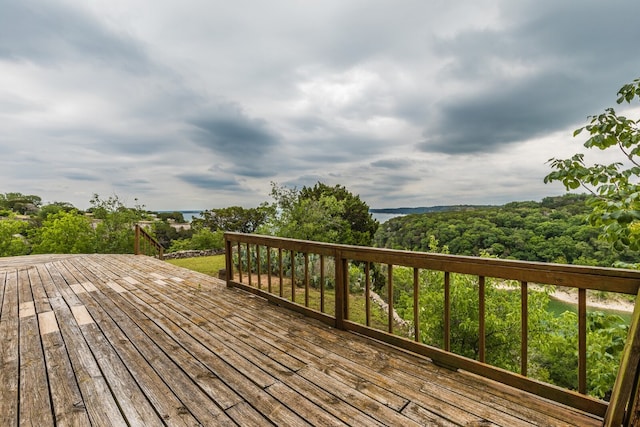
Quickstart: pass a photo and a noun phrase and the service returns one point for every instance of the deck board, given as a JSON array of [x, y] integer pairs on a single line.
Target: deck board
[[125, 340], [10, 374]]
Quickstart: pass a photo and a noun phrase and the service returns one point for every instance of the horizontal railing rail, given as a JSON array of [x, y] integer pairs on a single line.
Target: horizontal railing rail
[[313, 278], [146, 244]]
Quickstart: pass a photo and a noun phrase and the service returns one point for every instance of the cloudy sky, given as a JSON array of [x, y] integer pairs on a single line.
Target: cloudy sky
[[199, 104]]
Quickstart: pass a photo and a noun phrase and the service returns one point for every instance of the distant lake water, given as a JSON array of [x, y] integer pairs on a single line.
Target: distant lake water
[[188, 215], [383, 217]]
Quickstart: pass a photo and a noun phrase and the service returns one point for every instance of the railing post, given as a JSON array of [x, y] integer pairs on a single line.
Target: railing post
[[280, 272], [416, 303], [249, 263], [367, 292], [582, 341], [306, 279], [136, 244], [269, 269], [239, 262], [228, 256], [447, 311], [390, 298], [524, 327], [482, 344], [322, 283], [293, 275], [340, 266]]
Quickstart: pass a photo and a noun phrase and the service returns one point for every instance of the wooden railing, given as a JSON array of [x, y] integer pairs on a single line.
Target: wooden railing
[[145, 244], [282, 270]]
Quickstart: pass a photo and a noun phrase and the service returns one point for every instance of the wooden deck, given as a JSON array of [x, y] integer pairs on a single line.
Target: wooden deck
[[130, 340]]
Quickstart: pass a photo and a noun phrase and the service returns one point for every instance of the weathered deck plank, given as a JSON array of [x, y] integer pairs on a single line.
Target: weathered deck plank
[[35, 406], [100, 403], [9, 351], [66, 398], [163, 380], [132, 402], [117, 339]]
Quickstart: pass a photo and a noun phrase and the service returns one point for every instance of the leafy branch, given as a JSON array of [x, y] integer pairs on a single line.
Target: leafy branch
[[614, 186]]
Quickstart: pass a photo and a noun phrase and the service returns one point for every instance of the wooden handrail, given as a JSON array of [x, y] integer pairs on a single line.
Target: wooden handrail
[[240, 253], [146, 244]]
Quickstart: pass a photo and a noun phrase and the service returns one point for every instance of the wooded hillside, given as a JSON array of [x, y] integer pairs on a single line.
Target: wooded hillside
[[553, 230]]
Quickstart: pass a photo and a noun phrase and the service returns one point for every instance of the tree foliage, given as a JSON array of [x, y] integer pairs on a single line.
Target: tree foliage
[[615, 187], [176, 216], [20, 203], [233, 218], [65, 233], [359, 227], [555, 356], [166, 234], [13, 241], [321, 213], [553, 230], [115, 230], [202, 239]]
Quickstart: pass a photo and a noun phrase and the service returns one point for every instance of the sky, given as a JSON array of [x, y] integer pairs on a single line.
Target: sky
[[201, 104]]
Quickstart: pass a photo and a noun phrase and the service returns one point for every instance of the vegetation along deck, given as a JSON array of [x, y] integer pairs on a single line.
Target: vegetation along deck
[[130, 340]]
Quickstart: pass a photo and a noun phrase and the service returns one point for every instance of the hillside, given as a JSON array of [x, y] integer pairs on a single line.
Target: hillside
[[553, 230]]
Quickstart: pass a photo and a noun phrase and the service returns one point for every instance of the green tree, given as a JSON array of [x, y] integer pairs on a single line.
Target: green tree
[[319, 220], [359, 225], [115, 229], [165, 233], [555, 356], [55, 207], [234, 218], [20, 203], [203, 239], [65, 232], [176, 216], [206, 239], [321, 213], [13, 240], [49, 209], [553, 230], [614, 186]]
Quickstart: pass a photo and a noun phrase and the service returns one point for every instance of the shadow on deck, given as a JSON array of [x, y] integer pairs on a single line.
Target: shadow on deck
[[126, 340]]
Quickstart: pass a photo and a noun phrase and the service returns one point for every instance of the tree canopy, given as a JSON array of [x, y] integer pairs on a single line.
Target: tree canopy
[[233, 218], [65, 233], [21, 203], [114, 231], [13, 239], [615, 187], [553, 230], [321, 213]]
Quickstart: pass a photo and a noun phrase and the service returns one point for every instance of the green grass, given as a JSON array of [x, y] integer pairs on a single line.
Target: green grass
[[207, 264]]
